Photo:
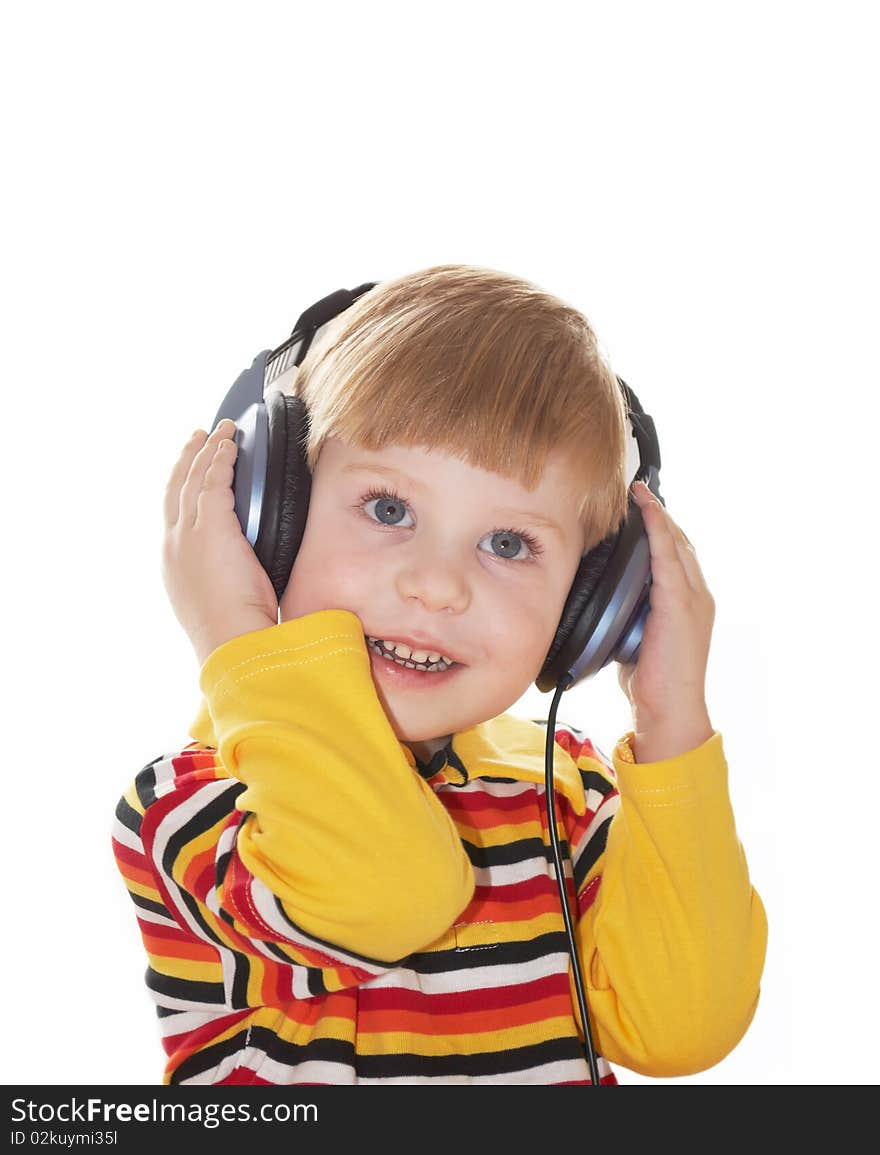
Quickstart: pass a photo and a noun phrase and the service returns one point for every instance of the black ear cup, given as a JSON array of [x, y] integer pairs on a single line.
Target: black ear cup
[[287, 490], [588, 575], [589, 614]]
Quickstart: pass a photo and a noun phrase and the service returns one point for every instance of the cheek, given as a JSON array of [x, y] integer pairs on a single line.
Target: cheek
[[327, 574], [521, 627]]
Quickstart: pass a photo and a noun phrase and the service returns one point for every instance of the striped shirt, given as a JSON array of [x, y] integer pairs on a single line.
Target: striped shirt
[[249, 989]]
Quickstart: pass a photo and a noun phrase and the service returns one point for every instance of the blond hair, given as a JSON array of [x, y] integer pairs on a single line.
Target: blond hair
[[478, 364]]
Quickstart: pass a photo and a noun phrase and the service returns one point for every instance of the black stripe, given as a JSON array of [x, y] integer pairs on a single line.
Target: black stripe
[[508, 853], [503, 954], [492, 1063], [593, 780], [456, 763], [222, 864], [150, 905], [208, 1057], [219, 807], [204, 819], [128, 816], [220, 868], [187, 990], [274, 949], [315, 981], [591, 852], [240, 978], [145, 783], [275, 1048], [316, 1050], [284, 1051]]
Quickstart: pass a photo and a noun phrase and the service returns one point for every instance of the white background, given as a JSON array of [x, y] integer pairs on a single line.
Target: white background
[[183, 179]]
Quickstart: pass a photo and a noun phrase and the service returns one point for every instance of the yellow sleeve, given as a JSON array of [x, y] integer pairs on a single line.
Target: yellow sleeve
[[673, 944], [340, 827]]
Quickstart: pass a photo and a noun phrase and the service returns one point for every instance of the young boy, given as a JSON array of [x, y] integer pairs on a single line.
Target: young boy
[[346, 877]]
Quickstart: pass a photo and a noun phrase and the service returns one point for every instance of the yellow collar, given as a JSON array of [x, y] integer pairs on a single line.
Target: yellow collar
[[503, 747], [510, 747]]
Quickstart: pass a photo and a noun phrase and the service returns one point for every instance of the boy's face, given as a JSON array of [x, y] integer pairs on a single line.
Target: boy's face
[[439, 565]]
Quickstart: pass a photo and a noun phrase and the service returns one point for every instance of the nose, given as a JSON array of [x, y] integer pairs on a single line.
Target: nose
[[433, 578]]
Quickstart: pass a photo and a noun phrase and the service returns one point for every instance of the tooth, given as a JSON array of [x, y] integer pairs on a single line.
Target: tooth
[[403, 652]]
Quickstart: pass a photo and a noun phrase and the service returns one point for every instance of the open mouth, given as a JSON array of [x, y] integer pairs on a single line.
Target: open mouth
[[402, 655]]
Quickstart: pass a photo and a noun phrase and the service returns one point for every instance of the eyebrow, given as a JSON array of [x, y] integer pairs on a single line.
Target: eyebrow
[[414, 483]]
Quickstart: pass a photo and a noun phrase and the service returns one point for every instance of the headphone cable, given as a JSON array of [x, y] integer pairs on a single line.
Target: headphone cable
[[563, 684]]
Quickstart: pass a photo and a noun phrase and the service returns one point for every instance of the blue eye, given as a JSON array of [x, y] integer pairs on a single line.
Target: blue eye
[[511, 543], [389, 507]]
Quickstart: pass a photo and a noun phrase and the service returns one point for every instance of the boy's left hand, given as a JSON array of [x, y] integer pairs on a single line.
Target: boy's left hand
[[666, 684]]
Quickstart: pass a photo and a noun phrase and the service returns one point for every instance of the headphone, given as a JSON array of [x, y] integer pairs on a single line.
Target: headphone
[[604, 613]]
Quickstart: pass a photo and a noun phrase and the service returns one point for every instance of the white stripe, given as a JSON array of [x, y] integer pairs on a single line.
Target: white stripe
[[154, 917], [563, 1071], [595, 798], [280, 1074], [226, 841], [495, 789], [473, 978], [299, 983], [601, 816], [169, 1003], [163, 773], [525, 871], [126, 837], [189, 1021]]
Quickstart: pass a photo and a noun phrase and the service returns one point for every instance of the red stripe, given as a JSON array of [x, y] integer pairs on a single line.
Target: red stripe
[[460, 1002], [128, 856], [474, 803]]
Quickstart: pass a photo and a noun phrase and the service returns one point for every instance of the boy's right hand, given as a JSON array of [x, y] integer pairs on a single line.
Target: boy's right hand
[[216, 585]]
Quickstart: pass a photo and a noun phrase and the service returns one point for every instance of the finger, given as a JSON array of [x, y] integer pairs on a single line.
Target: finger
[[195, 480], [667, 567], [217, 497], [688, 556], [657, 518], [171, 504], [686, 552]]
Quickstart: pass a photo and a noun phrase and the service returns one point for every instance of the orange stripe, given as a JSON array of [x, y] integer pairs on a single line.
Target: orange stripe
[[487, 819], [400, 1022], [191, 949], [196, 867], [525, 911], [138, 874]]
